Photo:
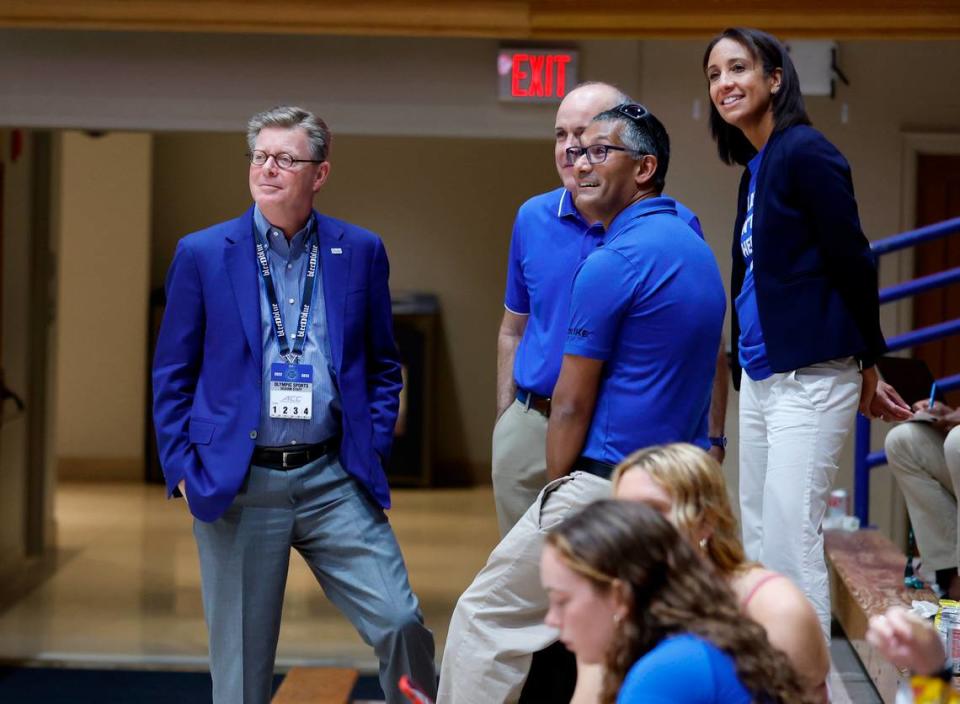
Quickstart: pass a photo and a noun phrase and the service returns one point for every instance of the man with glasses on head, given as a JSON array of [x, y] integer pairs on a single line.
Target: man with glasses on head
[[644, 324], [551, 236], [276, 387]]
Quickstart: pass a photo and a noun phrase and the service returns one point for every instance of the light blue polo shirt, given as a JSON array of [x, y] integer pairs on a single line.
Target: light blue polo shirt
[[650, 304], [550, 239]]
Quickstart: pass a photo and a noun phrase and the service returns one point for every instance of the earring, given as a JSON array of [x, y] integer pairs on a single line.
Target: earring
[[703, 544], [617, 618]]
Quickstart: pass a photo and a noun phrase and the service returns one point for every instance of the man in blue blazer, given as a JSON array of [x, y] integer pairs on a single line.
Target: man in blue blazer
[[276, 383]]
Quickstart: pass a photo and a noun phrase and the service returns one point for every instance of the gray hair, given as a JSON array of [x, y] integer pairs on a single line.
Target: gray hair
[[291, 117], [642, 137]]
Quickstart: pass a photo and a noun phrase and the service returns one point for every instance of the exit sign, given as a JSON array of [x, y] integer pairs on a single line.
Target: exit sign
[[536, 75]]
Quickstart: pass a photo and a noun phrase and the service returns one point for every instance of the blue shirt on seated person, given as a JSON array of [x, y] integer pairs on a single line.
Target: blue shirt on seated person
[[683, 669]]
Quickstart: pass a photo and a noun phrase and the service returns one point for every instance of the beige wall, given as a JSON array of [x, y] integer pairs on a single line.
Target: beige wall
[[444, 205], [443, 195], [444, 208], [104, 235], [363, 85]]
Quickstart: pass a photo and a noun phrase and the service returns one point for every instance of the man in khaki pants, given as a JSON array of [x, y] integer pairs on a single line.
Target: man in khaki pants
[[639, 341], [925, 460], [551, 237]]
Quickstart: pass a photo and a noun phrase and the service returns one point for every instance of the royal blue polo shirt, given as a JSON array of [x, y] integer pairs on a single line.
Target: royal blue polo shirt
[[550, 239], [650, 304], [752, 348]]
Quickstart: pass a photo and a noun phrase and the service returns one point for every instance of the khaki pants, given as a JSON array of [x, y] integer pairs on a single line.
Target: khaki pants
[[519, 462], [498, 623], [926, 465]]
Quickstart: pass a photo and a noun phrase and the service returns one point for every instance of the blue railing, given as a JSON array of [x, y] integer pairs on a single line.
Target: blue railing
[[864, 460]]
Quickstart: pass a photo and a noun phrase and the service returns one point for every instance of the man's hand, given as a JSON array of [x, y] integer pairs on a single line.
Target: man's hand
[[907, 641], [508, 339], [947, 418], [717, 453], [880, 400], [182, 486], [718, 401], [572, 405]]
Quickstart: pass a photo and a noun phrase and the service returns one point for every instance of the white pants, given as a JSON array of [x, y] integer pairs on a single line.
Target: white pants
[[792, 429], [926, 465]]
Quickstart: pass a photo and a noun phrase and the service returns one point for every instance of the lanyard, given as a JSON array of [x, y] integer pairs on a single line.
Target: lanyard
[[301, 336]]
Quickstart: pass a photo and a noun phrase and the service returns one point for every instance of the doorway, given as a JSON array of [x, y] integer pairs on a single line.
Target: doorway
[[937, 199]]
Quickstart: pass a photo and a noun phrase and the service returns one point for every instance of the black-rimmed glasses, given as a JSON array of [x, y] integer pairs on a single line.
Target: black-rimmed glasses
[[596, 153], [283, 160]]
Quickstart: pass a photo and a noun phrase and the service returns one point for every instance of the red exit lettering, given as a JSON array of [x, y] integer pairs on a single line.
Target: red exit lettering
[[539, 75]]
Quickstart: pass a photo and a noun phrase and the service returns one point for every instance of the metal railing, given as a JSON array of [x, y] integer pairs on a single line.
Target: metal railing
[[864, 459]]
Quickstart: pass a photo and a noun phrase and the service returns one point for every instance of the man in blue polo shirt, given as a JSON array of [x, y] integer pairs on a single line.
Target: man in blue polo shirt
[[644, 325], [637, 366], [551, 236]]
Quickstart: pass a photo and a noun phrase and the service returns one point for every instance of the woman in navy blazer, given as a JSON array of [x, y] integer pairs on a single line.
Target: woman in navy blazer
[[805, 313]]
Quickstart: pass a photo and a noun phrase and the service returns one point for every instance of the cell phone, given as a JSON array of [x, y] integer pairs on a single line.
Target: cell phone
[[414, 693]]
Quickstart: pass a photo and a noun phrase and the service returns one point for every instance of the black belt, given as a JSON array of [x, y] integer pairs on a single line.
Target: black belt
[[541, 404], [592, 466], [293, 456]]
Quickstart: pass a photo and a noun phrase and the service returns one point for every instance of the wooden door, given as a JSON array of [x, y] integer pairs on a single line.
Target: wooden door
[[938, 198]]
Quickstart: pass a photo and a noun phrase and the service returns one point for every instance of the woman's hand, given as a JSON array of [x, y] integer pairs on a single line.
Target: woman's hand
[[880, 400], [907, 641]]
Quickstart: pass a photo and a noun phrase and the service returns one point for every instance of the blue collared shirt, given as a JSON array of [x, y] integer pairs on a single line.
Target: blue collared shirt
[[550, 240], [288, 265], [650, 305]]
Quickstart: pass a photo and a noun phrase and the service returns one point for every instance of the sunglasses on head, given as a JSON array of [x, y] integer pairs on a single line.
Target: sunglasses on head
[[632, 111]]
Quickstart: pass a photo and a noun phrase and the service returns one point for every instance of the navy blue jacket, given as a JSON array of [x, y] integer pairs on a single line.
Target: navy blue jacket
[[207, 368], [816, 278]]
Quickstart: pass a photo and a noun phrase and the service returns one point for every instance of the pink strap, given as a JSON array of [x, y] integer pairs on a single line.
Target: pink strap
[[756, 588]]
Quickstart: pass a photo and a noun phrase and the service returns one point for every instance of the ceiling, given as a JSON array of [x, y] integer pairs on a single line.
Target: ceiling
[[535, 19]]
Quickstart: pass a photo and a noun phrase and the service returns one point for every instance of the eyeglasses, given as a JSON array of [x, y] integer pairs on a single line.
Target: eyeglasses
[[596, 153], [283, 160]]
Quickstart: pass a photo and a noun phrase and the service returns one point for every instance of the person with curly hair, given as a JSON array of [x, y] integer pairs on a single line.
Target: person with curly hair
[[687, 487], [626, 590]]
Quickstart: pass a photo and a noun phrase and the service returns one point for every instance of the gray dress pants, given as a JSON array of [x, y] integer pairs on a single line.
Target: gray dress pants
[[345, 538]]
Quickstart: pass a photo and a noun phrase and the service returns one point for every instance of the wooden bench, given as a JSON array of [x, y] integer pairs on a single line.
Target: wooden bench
[[866, 578], [316, 685]]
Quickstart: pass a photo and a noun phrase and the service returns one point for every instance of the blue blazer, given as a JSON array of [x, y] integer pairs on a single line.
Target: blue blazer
[[815, 276], [207, 381]]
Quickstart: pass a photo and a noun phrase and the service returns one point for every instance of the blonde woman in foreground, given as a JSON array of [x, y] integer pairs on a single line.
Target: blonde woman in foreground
[[687, 486]]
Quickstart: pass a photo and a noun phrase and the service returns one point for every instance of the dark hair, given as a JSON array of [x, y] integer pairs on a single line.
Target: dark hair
[[643, 135], [670, 590], [788, 108]]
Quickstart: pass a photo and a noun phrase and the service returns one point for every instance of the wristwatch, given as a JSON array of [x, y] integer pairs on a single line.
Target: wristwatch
[[719, 441]]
